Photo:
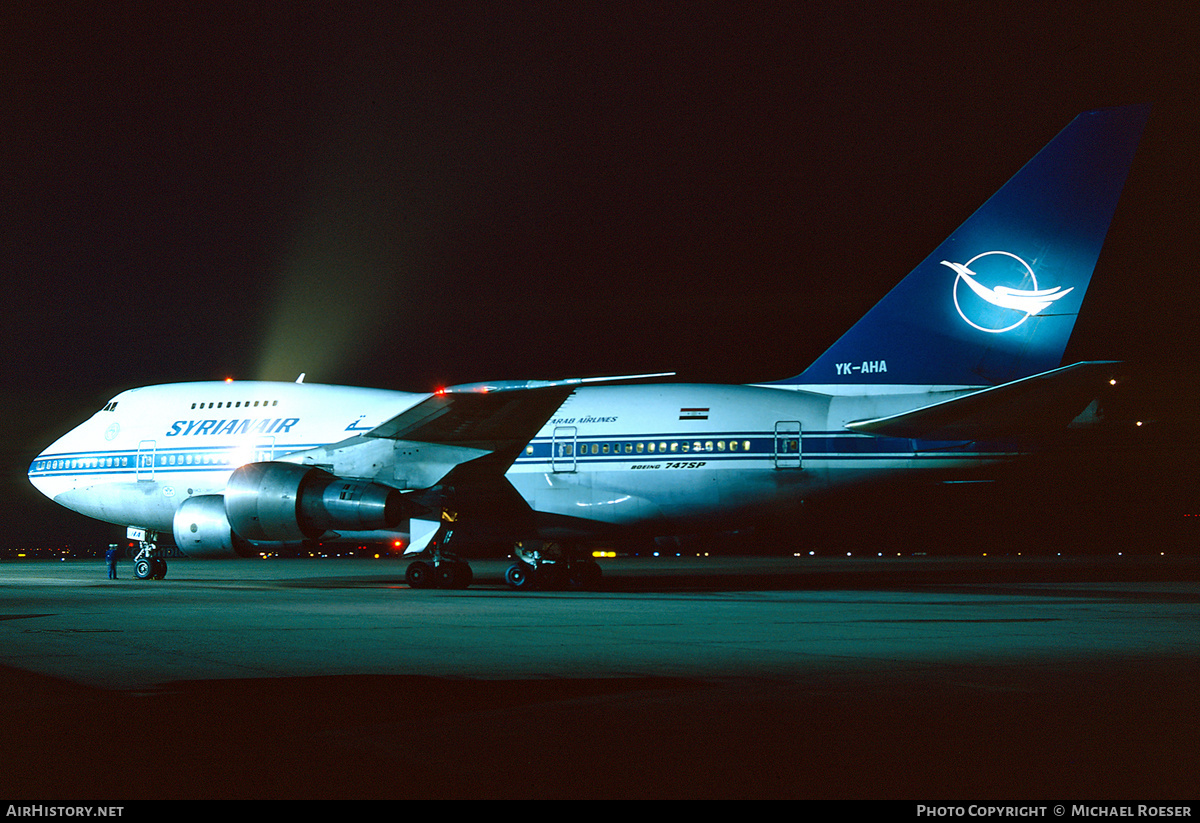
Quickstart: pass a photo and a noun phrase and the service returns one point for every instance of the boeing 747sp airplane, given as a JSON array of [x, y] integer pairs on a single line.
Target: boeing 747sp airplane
[[957, 368]]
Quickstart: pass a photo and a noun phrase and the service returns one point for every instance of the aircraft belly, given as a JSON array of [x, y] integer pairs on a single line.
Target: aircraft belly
[[582, 495], [147, 504], [633, 497]]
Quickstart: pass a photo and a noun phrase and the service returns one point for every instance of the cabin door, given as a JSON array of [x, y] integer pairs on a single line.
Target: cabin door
[[787, 444]]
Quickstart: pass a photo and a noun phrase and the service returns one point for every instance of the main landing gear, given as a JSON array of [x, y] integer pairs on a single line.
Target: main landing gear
[[539, 565], [437, 568], [546, 565], [440, 571]]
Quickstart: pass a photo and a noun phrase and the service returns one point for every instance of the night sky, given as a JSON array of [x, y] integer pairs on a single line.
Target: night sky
[[440, 193]]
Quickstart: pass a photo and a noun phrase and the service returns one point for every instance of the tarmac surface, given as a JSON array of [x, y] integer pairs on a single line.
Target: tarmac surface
[[1054, 679]]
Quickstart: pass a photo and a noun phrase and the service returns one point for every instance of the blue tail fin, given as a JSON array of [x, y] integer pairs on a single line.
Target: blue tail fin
[[998, 299]]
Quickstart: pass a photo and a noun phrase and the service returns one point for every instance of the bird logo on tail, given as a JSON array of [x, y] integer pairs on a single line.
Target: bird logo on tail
[[1019, 304]]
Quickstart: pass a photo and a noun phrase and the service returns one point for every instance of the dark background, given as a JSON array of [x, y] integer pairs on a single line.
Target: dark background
[[442, 193]]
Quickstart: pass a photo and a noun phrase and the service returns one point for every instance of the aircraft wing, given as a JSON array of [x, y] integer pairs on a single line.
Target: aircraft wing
[[494, 421], [454, 447], [1043, 402], [466, 435], [496, 416]]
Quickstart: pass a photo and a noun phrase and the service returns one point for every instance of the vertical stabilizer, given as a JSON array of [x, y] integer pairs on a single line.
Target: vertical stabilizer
[[998, 299]]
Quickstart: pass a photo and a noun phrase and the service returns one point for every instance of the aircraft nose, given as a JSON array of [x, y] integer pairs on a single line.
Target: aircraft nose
[[38, 473], [48, 472]]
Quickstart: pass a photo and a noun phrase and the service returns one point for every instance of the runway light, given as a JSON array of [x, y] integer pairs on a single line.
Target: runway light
[[228, 379]]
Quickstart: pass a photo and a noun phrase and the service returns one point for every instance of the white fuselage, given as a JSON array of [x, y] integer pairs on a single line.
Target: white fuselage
[[659, 456]]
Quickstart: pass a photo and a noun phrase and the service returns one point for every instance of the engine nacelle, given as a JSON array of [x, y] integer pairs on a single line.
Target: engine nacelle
[[202, 529], [287, 502]]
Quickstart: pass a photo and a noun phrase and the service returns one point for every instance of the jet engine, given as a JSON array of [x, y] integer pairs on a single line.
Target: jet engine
[[288, 502], [202, 529]]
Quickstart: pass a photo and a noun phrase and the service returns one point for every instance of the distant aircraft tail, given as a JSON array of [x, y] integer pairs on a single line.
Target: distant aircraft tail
[[997, 300]]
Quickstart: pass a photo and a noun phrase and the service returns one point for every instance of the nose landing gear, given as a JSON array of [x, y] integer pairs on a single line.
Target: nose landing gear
[[150, 562]]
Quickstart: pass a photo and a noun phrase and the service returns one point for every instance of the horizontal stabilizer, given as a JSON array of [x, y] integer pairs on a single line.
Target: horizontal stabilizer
[[1043, 402]]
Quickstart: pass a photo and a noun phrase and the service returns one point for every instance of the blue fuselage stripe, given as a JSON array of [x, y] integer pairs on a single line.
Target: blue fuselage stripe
[[715, 447]]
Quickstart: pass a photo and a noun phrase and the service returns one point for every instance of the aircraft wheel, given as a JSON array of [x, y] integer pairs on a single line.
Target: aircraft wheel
[[420, 575], [142, 569], [455, 574], [519, 575], [550, 576], [584, 575], [158, 568]]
